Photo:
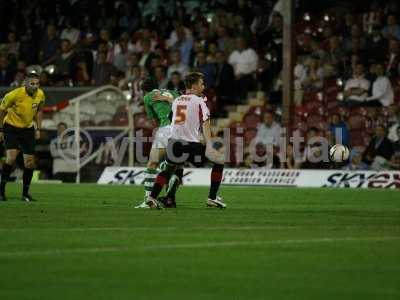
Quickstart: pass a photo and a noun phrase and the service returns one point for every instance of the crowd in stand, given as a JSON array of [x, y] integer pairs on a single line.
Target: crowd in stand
[[236, 44]]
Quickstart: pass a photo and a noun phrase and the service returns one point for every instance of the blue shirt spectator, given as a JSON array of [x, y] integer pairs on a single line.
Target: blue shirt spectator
[[339, 131]]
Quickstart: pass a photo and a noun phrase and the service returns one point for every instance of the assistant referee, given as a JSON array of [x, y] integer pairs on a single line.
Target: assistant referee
[[18, 111]]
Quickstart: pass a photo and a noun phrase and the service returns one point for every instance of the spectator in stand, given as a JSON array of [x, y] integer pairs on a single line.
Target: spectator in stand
[[102, 70], [64, 60], [338, 131], [207, 69], [49, 45], [290, 161], [314, 75], [393, 116], [81, 76], [184, 44], [313, 155], [70, 33], [375, 44], [160, 77], [223, 81], [146, 55], [394, 163], [394, 136], [379, 145], [122, 57], [176, 83], [147, 35], [6, 74], [393, 59], [392, 29], [224, 42], [269, 131], [356, 88], [334, 56], [355, 38], [355, 161], [244, 61], [12, 45], [177, 65], [382, 92]]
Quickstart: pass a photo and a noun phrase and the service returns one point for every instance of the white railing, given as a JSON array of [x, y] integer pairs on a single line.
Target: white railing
[[77, 127]]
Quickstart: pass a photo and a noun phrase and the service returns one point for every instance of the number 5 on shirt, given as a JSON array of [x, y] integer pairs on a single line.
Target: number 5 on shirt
[[180, 114]]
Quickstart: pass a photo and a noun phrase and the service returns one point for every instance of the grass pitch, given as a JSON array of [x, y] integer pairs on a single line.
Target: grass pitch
[[87, 242]]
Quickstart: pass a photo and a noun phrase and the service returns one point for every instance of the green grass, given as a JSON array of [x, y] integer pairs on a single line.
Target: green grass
[[87, 242]]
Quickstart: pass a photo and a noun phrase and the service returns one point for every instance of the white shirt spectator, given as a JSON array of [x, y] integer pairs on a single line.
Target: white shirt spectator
[[382, 91], [244, 62], [269, 134], [358, 82], [180, 68], [71, 34]]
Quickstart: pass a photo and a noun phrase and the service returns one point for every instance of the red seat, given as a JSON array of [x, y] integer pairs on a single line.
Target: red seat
[[257, 109], [120, 119], [314, 120], [357, 122], [315, 107], [141, 121], [359, 138], [249, 135], [359, 111], [251, 120]]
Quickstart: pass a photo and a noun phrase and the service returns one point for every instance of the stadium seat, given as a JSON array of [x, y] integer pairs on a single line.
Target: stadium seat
[[359, 138], [249, 135], [356, 122], [102, 119], [251, 120], [314, 120], [120, 119], [315, 107], [141, 121], [359, 111], [87, 123], [256, 109], [105, 107]]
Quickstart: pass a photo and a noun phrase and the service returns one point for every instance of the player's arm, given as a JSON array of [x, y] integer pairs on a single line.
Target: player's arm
[[151, 115], [159, 96], [38, 120], [8, 101]]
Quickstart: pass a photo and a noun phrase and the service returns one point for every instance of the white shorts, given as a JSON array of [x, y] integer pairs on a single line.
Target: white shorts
[[161, 137]]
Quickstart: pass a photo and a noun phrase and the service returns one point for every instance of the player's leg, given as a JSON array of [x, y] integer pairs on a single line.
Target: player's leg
[[160, 181], [175, 152], [11, 156], [217, 170], [27, 142], [216, 178], [11, 144], [173, 184], [29, 166], [156, 154]]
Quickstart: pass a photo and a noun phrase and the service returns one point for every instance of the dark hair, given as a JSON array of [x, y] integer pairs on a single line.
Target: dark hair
[[62, 124], [32, 75], [192, 78], [148, 85]]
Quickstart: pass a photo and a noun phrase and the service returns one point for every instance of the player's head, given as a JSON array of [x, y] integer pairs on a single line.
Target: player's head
[[148, 85], [194, 82], [61, 127], [32, 82]]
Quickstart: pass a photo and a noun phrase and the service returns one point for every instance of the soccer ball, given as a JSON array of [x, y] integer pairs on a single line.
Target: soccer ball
[[339, 153]]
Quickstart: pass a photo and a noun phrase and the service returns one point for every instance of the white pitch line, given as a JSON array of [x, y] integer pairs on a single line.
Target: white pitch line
[[171, 228], [50, 252]]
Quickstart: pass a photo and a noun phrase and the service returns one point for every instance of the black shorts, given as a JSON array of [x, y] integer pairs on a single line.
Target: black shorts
[[179, 152], [19, 138]]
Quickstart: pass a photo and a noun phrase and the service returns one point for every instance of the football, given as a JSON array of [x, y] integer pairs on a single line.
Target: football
[[339, 153]]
